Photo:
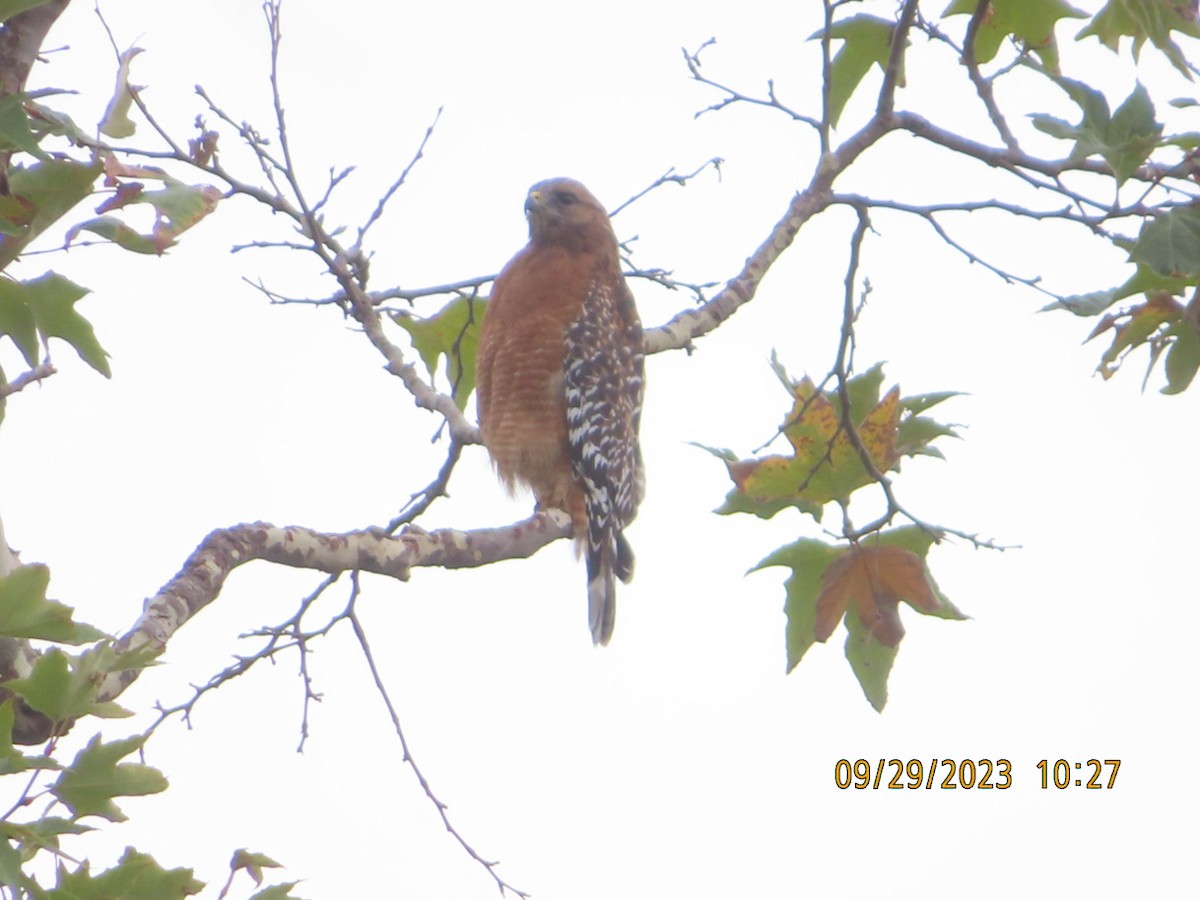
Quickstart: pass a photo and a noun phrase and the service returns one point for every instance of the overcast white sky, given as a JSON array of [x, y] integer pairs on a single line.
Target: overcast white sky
[[680, 761]]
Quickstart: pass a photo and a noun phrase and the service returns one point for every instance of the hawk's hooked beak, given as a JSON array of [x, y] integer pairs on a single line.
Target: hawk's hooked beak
[[532, 201]]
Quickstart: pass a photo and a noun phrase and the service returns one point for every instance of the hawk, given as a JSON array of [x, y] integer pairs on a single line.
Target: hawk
[[559, 378]]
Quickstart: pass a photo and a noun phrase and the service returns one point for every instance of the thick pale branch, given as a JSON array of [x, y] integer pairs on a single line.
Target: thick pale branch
[[692, 323], [40, 372], [202, 577]]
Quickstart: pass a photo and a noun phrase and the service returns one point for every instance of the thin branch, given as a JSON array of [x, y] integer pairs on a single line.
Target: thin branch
[[395, 186], [983, 87], [442, 808], [772, 102], [670, 177], [422, 499], [892, 71], [826, 125]]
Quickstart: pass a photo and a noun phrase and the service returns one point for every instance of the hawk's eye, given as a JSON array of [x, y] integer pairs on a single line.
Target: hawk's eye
[[564, 198]]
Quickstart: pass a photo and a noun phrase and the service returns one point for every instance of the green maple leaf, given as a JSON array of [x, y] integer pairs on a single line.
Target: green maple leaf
[[1145, 20], [1144, 280], [866, 42], [26, 613], [1031, 22], [136, 876], [97, 774], [1183, 357], [1170, 243], [52, 299], [1124, 139], [12, 759], [63, 687], [452, 332]]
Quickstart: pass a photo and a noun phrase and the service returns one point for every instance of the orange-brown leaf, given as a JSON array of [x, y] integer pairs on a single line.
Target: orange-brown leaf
[[874, 579]]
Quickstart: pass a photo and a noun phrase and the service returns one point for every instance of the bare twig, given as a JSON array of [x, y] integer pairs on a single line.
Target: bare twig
[[377, 213], [421, 500], [443, 810], [670, 177], [772, 102]]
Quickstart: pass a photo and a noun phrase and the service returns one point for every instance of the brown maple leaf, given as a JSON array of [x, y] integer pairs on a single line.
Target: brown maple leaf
[[874, 579]]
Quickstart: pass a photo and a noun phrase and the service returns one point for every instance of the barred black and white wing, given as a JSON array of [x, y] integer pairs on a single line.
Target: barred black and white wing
[[603, 376]]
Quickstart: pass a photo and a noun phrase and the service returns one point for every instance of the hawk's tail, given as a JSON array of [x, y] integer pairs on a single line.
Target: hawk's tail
[[610, 560]]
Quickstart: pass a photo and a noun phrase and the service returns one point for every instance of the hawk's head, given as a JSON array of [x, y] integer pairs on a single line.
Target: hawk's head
[[563, 211]]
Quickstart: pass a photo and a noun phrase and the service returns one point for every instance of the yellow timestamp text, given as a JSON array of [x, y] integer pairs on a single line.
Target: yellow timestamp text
[[1089, 775], [915, 774]]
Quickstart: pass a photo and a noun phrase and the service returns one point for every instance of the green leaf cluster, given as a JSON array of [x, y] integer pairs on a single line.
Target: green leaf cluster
[[1124, 139], [859, 582]]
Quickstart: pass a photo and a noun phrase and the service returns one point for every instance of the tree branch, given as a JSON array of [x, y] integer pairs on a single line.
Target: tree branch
[[203, 575]]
